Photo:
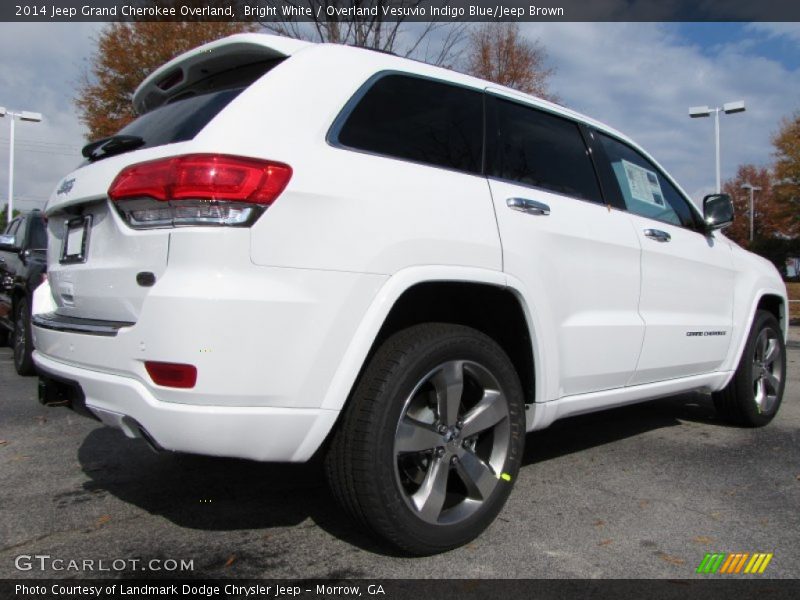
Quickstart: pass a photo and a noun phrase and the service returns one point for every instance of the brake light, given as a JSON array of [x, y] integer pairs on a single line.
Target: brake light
[[172, 374], [198, 189]]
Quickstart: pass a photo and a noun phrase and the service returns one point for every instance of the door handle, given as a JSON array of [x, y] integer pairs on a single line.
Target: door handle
[[532, 207], [657, 235]]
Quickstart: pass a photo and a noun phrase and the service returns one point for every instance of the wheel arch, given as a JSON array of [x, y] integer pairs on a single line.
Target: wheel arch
[[769, 299], [458, 295]]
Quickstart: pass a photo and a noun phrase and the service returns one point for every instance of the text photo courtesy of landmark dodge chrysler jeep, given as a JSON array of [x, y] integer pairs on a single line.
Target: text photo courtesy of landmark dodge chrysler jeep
[[301, 248]]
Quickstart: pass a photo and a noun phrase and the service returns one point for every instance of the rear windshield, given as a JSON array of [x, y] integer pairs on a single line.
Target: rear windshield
[[179, 121], [182, 118]]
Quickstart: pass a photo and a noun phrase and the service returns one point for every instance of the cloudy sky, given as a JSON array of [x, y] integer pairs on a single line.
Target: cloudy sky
[[638, 77]]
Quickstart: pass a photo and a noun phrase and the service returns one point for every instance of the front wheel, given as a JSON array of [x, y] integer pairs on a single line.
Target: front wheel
[[753, 396], [431, 440]]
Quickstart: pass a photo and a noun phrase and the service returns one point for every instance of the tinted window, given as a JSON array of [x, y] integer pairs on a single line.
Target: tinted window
[[20, 233], [644, 189], [539, 149], [12, 227], [179, 121], [418, 119], [38, 234]]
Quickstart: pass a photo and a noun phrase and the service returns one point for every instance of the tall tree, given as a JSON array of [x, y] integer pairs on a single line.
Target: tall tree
[[787, 174], [126, 53], [435, 42], [498, 52], [766, 223]]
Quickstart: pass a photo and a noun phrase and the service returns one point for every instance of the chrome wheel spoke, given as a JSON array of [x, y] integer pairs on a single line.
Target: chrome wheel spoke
[[430, 497], [485, 414], [772, 382], [761, 392], [478, 476], [415, 436], [771, 353], [761, 346], [449, 385]]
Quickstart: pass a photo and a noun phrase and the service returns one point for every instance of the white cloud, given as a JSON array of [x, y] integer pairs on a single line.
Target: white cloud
[[790, 31], [641, 78]]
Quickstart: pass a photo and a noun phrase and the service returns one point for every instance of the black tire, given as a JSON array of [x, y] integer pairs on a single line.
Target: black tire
[[4, 336], [21, 340], [753, 396], [374, 475]]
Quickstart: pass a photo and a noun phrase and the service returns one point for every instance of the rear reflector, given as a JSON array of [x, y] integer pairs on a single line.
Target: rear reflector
[[172, 374]]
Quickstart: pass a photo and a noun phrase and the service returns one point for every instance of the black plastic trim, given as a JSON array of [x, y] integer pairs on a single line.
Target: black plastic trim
[[58, 322]]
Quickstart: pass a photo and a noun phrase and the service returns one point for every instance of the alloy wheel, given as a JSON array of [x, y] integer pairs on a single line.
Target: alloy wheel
[[451, 442], [767, 370]]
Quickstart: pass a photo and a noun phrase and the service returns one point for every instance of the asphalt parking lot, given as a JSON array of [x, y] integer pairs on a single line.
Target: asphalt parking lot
[[643, 491]]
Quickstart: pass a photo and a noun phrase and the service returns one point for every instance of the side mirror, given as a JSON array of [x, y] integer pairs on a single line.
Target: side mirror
[[8, 243], [717, 211]]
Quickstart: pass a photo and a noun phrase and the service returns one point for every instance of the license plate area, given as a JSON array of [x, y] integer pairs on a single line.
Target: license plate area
[[76, 240]]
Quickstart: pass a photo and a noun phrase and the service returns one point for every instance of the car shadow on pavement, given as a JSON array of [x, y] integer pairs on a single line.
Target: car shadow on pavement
[[215, 494], [220, 494], [579, 433]]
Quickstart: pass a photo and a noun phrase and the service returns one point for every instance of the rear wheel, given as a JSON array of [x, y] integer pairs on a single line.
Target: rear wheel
[[21, 340], [432, 439], [753, 396]]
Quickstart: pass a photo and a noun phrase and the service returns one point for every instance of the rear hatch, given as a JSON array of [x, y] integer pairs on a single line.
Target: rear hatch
[[100, 266]]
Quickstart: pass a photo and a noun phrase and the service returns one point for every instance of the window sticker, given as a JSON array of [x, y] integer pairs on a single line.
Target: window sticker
[[643, 184]]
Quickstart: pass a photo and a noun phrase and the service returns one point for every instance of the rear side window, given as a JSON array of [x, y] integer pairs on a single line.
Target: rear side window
[[12, 227], [419, 120], [179, 121], [536, 148]]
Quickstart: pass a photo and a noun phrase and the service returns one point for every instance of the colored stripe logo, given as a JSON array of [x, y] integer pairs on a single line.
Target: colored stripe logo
[[734, 563]]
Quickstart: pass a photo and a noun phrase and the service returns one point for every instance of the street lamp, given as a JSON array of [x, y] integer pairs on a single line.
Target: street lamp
[[752, 188], [728, 108], [23, 115]]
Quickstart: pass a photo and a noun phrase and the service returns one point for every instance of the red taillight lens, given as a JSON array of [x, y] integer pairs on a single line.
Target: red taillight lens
[[203, 177], [172, 374], [198, 189]]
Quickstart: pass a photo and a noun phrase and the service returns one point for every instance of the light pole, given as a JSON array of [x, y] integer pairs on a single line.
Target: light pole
[[23, 115], [728, 108], [753, 189]]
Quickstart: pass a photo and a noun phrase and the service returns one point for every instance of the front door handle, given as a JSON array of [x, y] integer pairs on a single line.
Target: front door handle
[[526, 205], [657, 235]]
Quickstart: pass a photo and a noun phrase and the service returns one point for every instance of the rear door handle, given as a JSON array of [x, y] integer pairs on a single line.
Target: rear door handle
[[532, 207], [657, 235]]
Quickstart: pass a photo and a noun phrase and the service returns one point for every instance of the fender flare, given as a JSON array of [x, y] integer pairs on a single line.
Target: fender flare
[[736, 351], [362, 340]]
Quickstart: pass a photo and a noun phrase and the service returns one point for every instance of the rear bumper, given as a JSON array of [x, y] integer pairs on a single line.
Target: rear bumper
[[258, 433], [267, 344]]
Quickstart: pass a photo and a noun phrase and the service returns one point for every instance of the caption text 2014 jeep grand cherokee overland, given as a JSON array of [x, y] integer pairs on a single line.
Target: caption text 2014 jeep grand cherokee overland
[[301, 247]]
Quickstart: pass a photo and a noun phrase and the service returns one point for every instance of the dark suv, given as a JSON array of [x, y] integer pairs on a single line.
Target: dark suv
[[23, 260]]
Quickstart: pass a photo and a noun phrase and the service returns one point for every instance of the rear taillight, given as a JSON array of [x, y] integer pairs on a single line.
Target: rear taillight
[[172, 374], [197, 189]]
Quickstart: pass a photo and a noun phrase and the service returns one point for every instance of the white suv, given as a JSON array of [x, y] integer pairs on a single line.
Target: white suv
[[301, 247]]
